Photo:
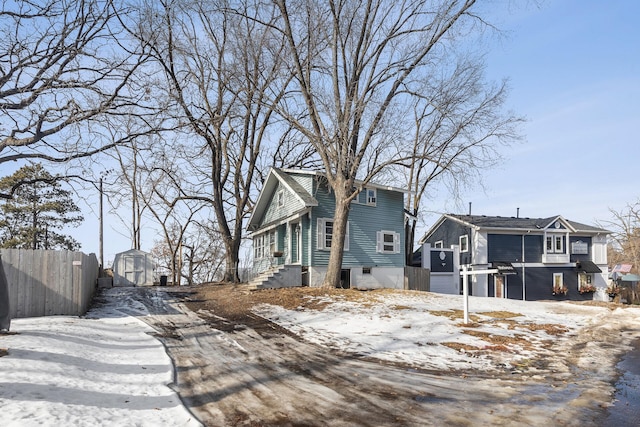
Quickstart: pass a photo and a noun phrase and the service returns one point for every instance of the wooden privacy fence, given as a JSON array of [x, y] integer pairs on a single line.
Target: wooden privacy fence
[[417, 279], [46, 283]]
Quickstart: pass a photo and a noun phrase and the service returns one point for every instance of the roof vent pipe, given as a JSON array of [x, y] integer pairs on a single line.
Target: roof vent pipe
[[517, 212], [469, 208]]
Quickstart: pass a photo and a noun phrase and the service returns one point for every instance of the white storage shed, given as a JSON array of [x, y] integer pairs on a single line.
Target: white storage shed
[[133, 268]]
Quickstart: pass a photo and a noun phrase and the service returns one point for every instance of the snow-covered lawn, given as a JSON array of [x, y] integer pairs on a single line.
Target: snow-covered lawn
[[426, 330], [103, 370], [107, 368]]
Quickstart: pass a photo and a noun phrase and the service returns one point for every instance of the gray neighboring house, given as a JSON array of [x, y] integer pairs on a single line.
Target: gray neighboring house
[[534, 255]]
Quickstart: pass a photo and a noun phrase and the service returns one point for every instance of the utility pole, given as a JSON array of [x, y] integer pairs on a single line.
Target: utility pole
[[101, 228]]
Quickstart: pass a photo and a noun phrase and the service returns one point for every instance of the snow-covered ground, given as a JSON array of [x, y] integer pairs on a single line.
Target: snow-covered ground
[[107, 368], [101, 370], [426, 330]]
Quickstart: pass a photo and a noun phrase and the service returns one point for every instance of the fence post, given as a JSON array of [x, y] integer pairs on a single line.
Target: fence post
[[5, 309]]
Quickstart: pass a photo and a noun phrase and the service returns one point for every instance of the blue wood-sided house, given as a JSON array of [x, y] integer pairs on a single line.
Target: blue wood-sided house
[[292, 224], [542, 258]]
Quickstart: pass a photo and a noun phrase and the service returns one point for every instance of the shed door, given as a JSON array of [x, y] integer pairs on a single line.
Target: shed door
[[134, 272]]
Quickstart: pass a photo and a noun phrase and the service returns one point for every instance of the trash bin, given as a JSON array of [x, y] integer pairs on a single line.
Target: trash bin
[[163, 280]]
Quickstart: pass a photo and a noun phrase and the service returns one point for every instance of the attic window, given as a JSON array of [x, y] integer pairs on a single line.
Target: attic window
[[438, 245], [280, 198]]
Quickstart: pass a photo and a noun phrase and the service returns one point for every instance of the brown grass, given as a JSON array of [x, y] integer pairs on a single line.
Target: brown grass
[[500, 342], [454, 314], [460, 346], [500, 314]]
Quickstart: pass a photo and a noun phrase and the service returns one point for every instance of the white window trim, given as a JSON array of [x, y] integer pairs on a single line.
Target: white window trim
[[465, 238], [372, 197], [262, 245], [554, 239], [585, 279], [561, 276], [322, 237], [438, 245], [368, 201], [380, 243]]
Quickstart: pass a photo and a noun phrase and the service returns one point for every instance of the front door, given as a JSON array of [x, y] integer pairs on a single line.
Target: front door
[[498, 283], [295, 243]]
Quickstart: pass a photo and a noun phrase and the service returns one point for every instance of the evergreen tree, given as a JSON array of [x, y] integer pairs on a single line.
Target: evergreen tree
[[39, 210]]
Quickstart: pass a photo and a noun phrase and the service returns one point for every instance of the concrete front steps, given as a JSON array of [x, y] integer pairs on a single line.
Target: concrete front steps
[[281, 276]]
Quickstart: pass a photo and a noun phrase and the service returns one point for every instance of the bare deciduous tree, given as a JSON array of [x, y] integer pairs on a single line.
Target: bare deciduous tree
[[64, 67], [356, 65], [625, 228], [223, 71], [458, 130]]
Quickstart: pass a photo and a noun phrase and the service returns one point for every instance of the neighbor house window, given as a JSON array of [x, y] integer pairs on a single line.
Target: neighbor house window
[[555, 244], [388, 242], [464, 243], [366, 270], [438, 245], [558, 284], [325, 234]]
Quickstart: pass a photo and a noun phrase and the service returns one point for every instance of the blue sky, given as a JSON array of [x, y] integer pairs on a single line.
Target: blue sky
[[574, 72]]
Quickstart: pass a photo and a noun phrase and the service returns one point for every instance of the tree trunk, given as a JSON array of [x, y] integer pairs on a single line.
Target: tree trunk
[[409, 235], [232, 251], [340, 218]]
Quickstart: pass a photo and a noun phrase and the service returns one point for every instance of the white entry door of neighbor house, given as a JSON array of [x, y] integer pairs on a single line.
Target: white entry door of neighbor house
[[134, 272]]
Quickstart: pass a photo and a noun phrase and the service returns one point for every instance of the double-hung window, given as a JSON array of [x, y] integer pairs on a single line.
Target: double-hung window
[[265, 245], [326, 233], [371, 196], [387, 242], [464, 243], [555, 244], [280, 198]]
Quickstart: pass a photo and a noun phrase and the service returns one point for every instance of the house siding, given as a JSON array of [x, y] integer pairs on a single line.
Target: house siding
[[364, 222], [539, 282], [508, 247], [275, 212], [449, 233]]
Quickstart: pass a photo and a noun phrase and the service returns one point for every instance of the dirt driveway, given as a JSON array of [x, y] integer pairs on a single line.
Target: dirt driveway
[[236, 369]]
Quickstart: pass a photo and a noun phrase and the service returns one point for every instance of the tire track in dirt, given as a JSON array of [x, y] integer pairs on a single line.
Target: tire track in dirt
[[246, 371]]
